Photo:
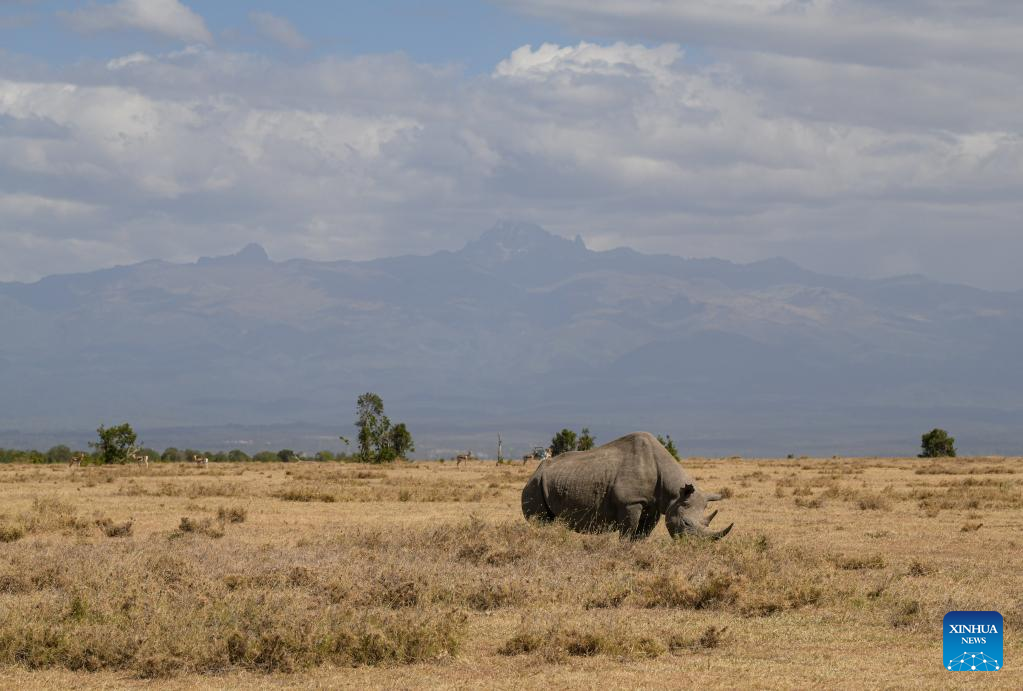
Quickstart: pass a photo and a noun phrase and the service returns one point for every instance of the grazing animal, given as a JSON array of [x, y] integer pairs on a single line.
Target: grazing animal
[[625, 485], [139, 458], [538, 454], [467, 456], [76, 460], [200, 460]]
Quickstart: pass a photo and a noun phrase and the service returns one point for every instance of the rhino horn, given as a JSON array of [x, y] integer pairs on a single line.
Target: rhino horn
[[708, 519], [717, 535]]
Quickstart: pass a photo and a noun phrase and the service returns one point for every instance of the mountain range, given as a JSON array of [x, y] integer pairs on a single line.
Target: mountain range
[[521, 333]]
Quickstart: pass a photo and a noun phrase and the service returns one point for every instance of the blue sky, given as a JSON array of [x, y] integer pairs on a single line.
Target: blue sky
[[856, 137], [476, 35]]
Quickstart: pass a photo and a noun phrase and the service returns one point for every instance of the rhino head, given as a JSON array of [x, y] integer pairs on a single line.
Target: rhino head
[[685, 515]]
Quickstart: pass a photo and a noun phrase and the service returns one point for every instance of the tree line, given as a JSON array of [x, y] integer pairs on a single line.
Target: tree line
[[380, 441]]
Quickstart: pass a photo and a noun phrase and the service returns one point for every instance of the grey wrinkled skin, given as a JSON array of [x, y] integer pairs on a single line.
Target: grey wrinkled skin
[[625, 485]]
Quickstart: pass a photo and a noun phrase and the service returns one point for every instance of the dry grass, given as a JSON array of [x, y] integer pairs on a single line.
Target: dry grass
[[426, 575]]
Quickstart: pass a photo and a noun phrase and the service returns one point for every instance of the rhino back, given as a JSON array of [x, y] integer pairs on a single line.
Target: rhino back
[[577, 487], [587, 488]]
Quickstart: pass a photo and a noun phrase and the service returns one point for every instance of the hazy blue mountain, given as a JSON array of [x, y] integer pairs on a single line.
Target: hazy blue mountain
[[520, 332]]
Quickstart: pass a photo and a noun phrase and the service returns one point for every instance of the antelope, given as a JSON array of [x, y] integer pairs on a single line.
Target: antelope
[[200, 460], [76, 460], [467, 456], [140, 459]]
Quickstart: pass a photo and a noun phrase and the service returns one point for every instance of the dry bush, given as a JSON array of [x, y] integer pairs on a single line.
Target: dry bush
[[305, 494], [711, 637], [858, 563], [671, 590], [873, 502], [971, 527], [192, 490], [559, 641], [490, 595], [608, 594], [233, 514], [423, 491], [964, 468], [111, 529], [904, 614], [918, 568], [47, 514], [969, 495], [199, 526], [10, 533]]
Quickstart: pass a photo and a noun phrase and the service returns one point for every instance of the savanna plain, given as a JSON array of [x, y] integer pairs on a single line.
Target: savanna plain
[[837, 574]]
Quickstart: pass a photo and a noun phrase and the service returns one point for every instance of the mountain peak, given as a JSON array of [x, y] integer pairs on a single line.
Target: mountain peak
[[252, 253], [511, 240]]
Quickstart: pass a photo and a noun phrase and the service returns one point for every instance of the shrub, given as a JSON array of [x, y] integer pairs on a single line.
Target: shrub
[[234, 514], [111, 529], [937, 444], [11, 533], [904, 614], [563, 442], [710, 637], [559, 641], [874, 561], [873, 502], [203, 526], [669, 590], [305, 494]]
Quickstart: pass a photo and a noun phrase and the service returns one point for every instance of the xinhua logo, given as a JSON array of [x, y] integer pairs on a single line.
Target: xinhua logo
[[972, 641]]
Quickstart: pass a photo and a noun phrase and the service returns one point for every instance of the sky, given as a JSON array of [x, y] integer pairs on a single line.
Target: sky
[[855, 137]]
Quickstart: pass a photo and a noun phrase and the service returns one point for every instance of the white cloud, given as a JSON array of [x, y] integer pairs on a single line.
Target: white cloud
[[278, 29], [127, 61], [587, 58], [168, 18], [843, 166], [867, 32]]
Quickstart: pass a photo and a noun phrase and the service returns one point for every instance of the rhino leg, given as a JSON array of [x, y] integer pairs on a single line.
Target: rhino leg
[[648, 521], [630, 521]]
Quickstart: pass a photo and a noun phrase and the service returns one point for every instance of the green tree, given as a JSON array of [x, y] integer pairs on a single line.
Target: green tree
[[171, 454], [373, 427], [114, 443], [265, 457], [563, 442], [669, 444], [378, 440], [586, 440], [324, 455], [286, 456], [58, 454], [237, 456], [937, 444], [401, 441]]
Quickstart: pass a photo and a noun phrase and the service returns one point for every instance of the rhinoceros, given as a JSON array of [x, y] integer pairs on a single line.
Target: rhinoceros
[[625, 485]]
